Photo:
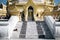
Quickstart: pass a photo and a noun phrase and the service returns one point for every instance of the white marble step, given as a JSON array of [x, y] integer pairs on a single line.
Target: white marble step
[[33, 39], [31, 31]]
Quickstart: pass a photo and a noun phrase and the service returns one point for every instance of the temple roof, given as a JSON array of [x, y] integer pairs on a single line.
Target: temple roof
[[32, 0], [22, 2], [39, 2]]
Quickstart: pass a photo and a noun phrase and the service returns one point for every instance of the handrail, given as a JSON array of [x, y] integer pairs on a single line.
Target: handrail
[[50, 24]]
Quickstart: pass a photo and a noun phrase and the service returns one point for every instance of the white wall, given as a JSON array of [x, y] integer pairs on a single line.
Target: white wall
[[57, 27], [3, 29], [8, 29], [12, 23]]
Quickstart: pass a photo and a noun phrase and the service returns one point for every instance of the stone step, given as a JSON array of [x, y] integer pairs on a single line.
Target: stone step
[[40, 30], [31, 31]]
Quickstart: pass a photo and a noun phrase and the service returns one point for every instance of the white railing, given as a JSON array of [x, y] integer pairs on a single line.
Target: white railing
[[51, 23], [12, 23]]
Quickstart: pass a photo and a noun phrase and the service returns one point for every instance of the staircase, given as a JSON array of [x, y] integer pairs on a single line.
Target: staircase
[[32, 30]]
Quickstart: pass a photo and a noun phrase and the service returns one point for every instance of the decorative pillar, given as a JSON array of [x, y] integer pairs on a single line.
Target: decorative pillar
[[35, 15], [26, 15], [40, 16], [20, 16]]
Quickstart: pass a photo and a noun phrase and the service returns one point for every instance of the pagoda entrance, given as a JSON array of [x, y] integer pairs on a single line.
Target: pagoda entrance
[[30, 14]]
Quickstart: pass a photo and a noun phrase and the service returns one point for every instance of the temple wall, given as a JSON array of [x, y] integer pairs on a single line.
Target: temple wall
[[39, 10]]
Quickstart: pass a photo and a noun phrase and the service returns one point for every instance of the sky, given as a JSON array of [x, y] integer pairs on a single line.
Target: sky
[[4, 1], [57, 1]]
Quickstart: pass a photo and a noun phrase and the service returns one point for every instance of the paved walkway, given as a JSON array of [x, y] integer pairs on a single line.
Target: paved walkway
[[32, 30]]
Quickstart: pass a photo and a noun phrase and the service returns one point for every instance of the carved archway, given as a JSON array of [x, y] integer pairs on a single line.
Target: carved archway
[[30, 13]]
